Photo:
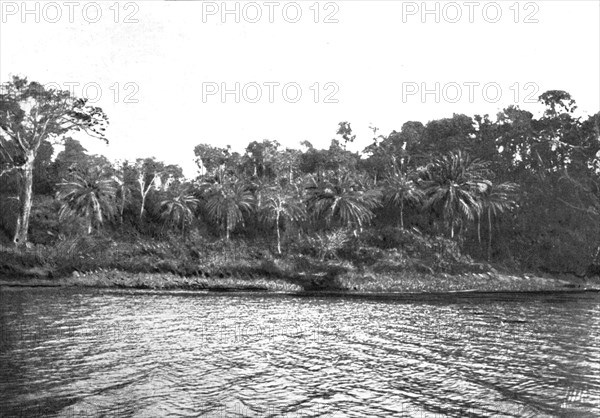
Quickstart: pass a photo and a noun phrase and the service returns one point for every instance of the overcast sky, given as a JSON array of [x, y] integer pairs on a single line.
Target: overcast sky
[[159, 67]]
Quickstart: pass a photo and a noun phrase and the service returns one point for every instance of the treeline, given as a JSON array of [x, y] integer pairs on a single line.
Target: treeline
[[517, 190]]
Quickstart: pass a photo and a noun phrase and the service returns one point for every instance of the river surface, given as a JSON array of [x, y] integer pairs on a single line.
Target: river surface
[[106, 353]]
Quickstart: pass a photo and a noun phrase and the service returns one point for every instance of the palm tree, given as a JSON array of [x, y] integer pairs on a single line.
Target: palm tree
[[281, 205], [346, 198], [495, 199], [226, 204], [87, 195], [179, 209], [453, 182], [400, 189]]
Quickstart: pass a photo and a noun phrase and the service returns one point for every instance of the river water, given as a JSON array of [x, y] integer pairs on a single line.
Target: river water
[[106, 353]]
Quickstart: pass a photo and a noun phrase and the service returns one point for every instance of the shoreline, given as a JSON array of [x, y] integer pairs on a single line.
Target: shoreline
[[345, 284]]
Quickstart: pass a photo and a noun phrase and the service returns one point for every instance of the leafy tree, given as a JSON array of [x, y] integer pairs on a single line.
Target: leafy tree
[[261, 158], [29, 115], [340, 159], [445, 135], [287, 165], [217, 163], [153, 175], [69, 159], [346, 132], [313, 161], [409, 138], [384, 156], [336, 158], [486, 147]]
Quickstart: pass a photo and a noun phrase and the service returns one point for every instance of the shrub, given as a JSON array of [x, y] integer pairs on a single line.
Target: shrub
[[327, 245]]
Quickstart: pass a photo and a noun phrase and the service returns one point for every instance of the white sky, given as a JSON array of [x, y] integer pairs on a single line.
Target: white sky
[[170, 52]]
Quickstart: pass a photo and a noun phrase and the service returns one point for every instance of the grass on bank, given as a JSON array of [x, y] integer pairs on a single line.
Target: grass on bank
[[392, 260]]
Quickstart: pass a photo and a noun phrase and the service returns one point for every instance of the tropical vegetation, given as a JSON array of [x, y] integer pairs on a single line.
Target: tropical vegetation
[[529, 185]]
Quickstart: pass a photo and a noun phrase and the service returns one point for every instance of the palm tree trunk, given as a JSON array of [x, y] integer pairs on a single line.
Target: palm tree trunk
[[402, 214], [489, 234]]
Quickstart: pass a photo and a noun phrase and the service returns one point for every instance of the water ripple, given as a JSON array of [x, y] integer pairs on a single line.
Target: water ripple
[[149, 354]]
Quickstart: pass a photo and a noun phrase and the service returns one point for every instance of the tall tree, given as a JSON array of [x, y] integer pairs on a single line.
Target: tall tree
[[125, 178], [282, 205], [287, 165], [153, 175], [88, 195], [495, 199], [345, 198], [400, 189], [29, 115], [216, 164], [69, 159], [179, 208], [261, 158], [227, 203], [445, 135], [452, 183]]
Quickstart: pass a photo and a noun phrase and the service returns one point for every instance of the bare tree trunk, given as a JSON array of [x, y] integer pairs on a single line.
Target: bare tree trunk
[[278, 234], [122, 209], [25, 200], [142, 208], [144, 190]]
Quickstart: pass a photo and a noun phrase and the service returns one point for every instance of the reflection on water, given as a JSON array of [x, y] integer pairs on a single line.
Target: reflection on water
[[145, 354]]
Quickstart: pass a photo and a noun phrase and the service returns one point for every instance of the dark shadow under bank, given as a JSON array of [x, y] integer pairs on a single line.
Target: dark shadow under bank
[[466, 297], [459, 295]]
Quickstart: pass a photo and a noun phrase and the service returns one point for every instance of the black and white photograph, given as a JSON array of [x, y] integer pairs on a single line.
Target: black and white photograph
[[311, 208]]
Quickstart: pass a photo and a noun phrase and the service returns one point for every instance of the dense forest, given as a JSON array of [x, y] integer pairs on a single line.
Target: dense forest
[[514, 190]]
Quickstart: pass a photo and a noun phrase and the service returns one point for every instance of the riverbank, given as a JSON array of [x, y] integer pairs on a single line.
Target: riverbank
[[409, 263], [350, 282]]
